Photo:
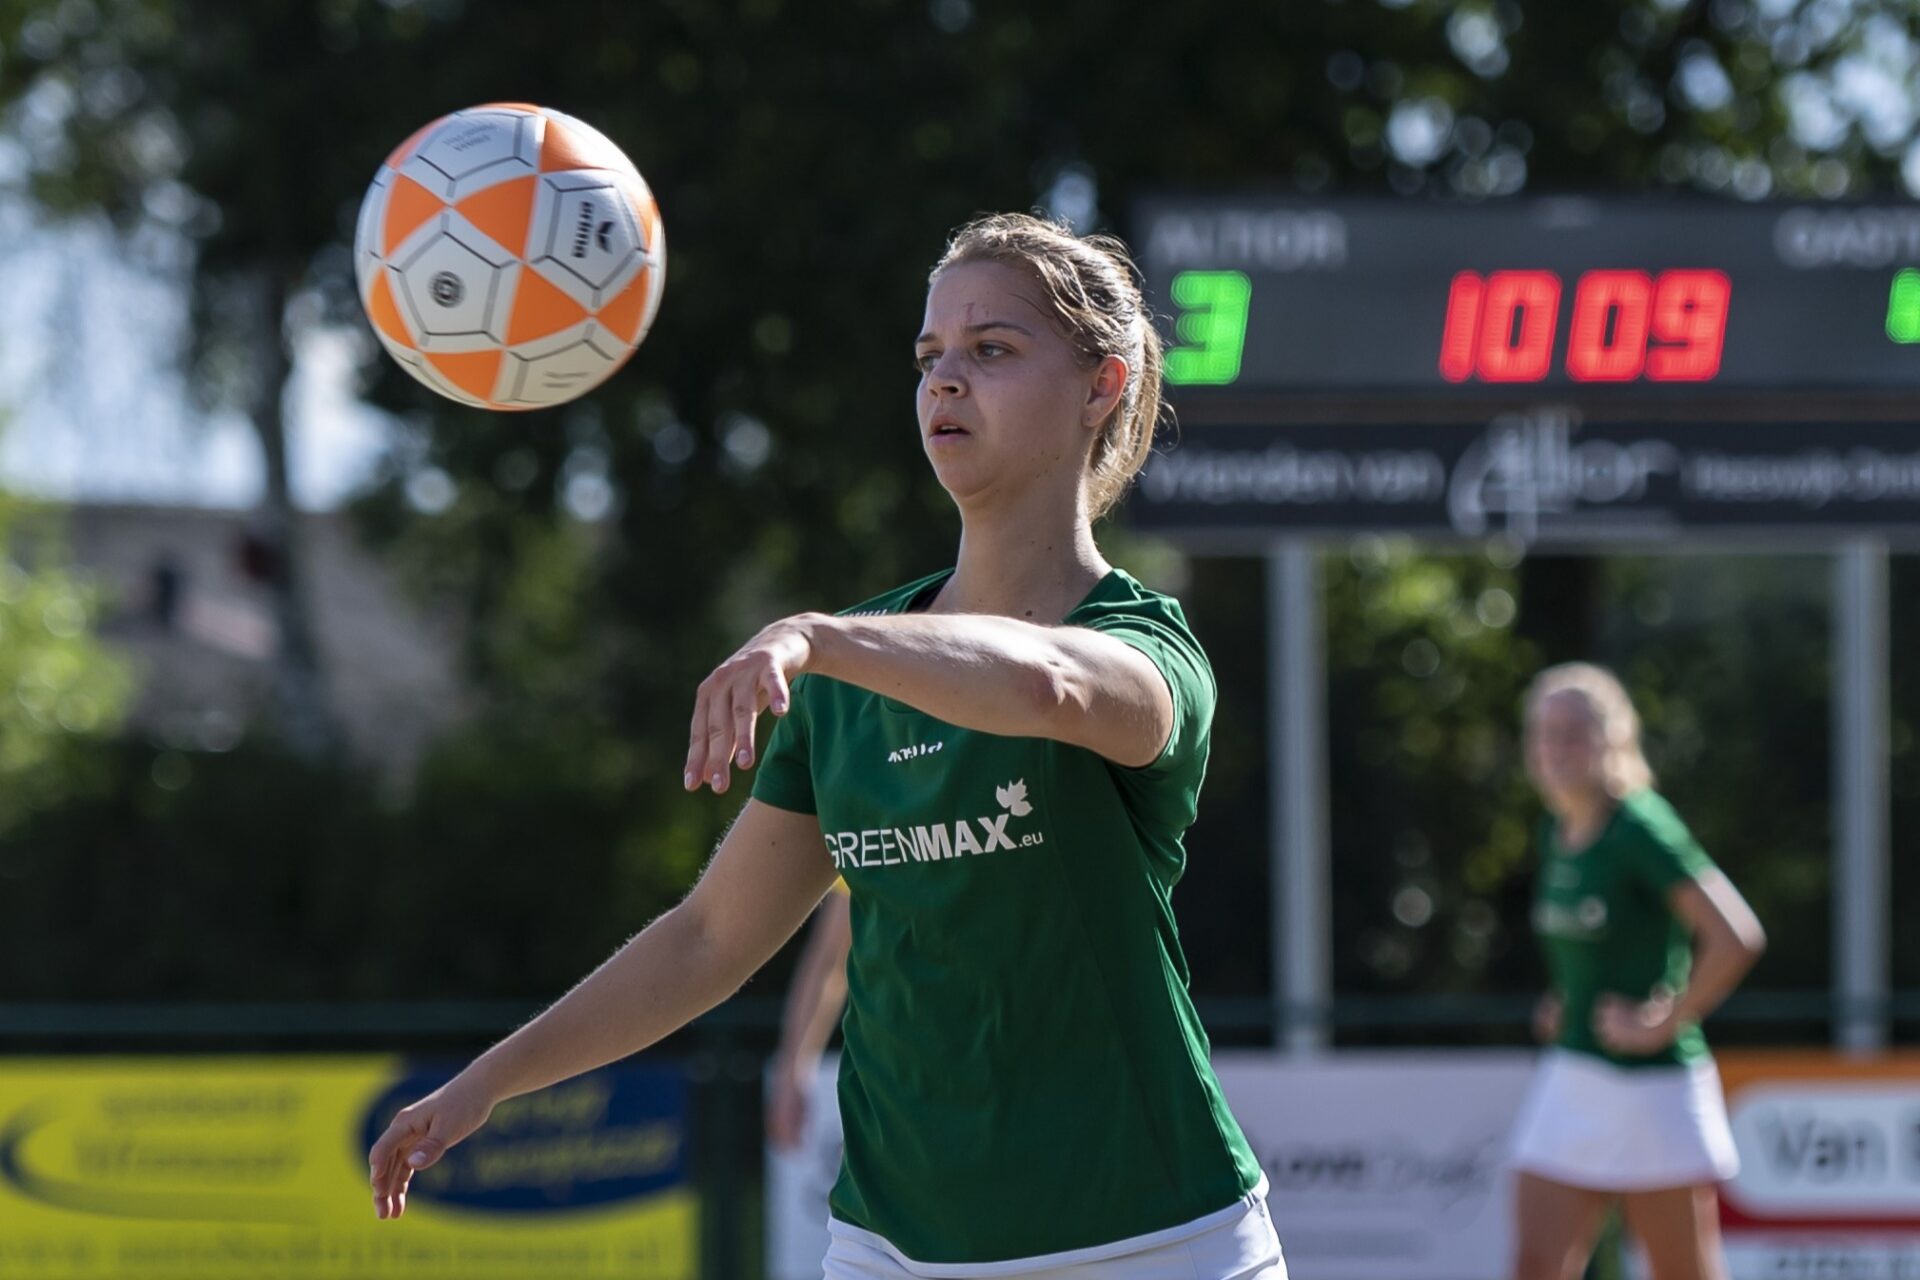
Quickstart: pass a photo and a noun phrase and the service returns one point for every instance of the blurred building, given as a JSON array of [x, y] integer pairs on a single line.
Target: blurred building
[[189, 604]]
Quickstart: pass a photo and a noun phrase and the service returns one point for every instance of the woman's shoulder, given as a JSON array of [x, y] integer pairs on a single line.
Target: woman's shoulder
[[1120, 595]]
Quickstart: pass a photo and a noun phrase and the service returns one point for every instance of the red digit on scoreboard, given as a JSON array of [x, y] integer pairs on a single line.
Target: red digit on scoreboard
[[1608, 339], [1462, 330], [1689, 311], [1516, 330]]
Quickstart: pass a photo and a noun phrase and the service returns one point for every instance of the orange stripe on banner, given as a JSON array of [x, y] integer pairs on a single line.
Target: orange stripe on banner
[[385, 312], [503, 211], [408, 205], [622, 316], [540, 308], [474, 372]]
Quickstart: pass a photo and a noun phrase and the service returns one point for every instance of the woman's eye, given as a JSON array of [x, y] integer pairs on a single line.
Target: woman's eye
[[924, 363], [991, 349]]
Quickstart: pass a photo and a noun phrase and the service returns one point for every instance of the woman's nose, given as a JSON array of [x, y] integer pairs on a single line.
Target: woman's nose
[[944, 378]]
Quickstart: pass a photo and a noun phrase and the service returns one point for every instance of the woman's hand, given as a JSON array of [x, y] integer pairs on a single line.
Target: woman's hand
[[419, 1136], [1546, 1017], [728, 705], [1635, 1029]]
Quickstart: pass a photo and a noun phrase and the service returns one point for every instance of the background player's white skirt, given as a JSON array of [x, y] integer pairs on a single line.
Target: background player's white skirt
[[1588, 1123]]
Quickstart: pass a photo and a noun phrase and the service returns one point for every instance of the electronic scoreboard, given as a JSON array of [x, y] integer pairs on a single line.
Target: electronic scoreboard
[[1559, 366]]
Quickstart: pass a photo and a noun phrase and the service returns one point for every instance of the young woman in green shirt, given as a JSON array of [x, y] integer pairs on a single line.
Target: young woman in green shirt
[[1644, 936], [1001, 760]]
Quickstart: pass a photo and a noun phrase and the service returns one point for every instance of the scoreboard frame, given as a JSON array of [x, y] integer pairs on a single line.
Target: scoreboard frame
[[1609, 369]]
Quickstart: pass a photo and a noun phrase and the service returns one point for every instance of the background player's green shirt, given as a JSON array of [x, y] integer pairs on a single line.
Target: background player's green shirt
[[1023, 1072], [1602, 918]]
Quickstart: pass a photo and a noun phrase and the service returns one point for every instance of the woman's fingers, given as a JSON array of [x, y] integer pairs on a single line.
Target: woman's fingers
[[726, 713], [746, 711], [708, 742], [389, 1168], [720, 736]]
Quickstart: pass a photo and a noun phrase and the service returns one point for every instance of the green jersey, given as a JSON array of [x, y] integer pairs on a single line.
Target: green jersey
[[1602, 917], [1022, 1072]]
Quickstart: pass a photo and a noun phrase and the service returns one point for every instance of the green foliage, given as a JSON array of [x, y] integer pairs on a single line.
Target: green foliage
[[1430, 818], [60, 687]]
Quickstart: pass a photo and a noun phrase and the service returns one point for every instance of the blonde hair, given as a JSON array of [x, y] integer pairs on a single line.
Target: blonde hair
[[1093, 288], [1623, 765]]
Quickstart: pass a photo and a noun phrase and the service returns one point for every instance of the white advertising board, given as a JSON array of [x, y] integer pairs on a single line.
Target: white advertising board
[[1829, 1182], [1385, 1165]]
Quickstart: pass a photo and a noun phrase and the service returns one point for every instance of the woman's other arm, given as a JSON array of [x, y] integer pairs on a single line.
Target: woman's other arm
[[768, 874]]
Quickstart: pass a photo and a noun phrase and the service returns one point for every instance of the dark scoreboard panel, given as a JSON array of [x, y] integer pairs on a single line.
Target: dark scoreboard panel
[[1573, 298]]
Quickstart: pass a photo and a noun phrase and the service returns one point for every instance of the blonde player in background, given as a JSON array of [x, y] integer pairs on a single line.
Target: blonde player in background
[[1644, 936], [1002, 760]]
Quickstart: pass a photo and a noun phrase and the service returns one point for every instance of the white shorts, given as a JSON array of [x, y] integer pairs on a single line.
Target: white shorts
[[1587, 1123], [1237, 1243]]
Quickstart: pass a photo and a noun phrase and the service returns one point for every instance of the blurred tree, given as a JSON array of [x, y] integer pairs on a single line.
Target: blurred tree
[[216, 123]]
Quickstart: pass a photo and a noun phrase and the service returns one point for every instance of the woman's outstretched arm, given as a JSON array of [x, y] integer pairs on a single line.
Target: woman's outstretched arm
[[770, 871], [992, 674]]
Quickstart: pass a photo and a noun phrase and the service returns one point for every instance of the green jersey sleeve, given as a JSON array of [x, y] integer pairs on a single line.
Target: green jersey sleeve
[[785, 776], [1664, 852], [1168, 788]]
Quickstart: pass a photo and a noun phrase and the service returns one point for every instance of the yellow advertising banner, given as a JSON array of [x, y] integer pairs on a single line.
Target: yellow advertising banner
[[151, 1168]]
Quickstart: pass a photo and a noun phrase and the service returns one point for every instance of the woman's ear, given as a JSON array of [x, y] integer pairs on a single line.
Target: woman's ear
[[1103, 395]]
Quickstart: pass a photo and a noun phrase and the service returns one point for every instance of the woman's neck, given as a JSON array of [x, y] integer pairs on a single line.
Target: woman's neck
[[1580, 818], [1035, 569]]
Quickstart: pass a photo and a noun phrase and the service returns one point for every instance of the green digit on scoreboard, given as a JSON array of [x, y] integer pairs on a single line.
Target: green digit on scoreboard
[[1212, 328], [1903, 306]]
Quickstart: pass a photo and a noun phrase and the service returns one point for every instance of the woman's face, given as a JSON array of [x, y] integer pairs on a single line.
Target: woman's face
[[1004, 400], [1564, 750]]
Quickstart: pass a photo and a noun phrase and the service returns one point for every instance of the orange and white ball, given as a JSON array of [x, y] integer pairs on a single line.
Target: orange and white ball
[[509, 256]]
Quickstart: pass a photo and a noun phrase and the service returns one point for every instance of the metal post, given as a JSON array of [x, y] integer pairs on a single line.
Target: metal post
[[1862, 857], [1297, 787]]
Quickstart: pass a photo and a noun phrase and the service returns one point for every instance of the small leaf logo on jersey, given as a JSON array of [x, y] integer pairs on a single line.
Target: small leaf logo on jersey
[[1013, 798]]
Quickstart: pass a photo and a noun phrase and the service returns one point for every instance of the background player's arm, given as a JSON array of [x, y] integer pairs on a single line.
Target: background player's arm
[[814, 1003], [1727, 940], [1547, 1013], [769, 872]]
